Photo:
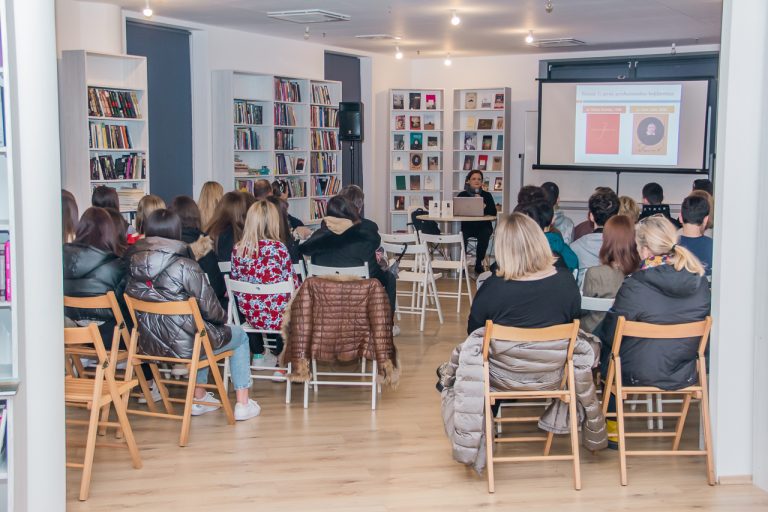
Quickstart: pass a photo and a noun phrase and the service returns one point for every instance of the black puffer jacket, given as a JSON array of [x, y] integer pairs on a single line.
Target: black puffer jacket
[[89, 272], [340, 243], [162, 270], [206, 258], [659, 295]]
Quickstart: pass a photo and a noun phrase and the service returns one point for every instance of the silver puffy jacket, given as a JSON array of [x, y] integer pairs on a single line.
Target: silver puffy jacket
[[519, 367], [163, 270]]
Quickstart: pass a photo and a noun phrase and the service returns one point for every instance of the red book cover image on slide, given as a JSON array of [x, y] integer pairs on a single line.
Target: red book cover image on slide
[[603, 134]]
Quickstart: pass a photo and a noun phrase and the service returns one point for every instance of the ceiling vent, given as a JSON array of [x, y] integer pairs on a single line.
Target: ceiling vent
[[557, 43], [305, 16], [378, 37]]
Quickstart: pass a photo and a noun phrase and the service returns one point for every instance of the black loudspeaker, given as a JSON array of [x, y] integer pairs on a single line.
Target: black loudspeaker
[[351, 121]]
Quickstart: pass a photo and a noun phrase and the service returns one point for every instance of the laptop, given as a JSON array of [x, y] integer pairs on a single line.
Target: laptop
[[468, 206]]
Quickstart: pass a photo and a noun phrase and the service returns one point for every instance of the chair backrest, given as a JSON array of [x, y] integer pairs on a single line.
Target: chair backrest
[[225, 267], [320, 271], [234, 286], [397, 249], [89, 335], [626, 327], [553, 333], [182, 307], [106, 301], [399, 238], [457, 238], [596, 303], [300, 270]]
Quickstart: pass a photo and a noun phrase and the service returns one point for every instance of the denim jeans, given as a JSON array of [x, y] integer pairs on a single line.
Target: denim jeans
[[239, 361]]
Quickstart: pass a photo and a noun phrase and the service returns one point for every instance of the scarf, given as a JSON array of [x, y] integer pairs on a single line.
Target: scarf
[[656, 261]]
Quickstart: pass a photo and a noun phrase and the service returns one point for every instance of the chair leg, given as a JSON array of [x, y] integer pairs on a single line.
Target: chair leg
[[144, 385], [681, 422], [314, 374], [90, 448], [660, 408], [466, 279], [227, 375], [288, 384], [306, 393], [620, 425], [437, 299], [104, 419], [423, 297], [649, 409], [162, 389], [574, 424], [704, 404], [458, 295], [374, 374], [225, 403], [489, 440], [548, 443], [186, 419], [607, 385], [125, 427]]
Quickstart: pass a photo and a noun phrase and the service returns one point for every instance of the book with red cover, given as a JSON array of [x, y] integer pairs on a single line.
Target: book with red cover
[[482, 162], [603, 134]]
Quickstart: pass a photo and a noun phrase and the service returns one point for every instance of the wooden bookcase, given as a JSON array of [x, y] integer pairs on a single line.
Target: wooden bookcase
[[416, 159], [481, 120], [123, 79], [278, 128]]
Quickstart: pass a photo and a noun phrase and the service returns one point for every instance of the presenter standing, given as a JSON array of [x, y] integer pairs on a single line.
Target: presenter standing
[[482, 231]]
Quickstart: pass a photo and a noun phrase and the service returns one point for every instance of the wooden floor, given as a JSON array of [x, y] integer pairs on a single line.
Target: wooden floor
[[339, 456]]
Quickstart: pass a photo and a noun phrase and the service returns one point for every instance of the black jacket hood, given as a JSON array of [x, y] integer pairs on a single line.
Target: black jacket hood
[[671, 282], [80, 260]]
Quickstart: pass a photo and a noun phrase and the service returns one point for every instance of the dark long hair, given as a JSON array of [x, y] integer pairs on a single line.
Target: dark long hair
[[121, 230], [619, 248], [69, 215], [188, 211], [105, 197], [229, 213], [97, 230], [285, 225], [163, 223], [342, 208]]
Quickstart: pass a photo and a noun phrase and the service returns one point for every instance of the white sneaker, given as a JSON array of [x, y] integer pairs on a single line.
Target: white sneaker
[[154, 392], [395, 330], [198, 409], [270, 360], [246, 412], [180, 370]]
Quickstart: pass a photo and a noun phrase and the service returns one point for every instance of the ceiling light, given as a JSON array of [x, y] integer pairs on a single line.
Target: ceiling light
[[398, 53], [148, 12], [455, 20], [306, 33], [529, 37], [448, 60], [548, 7]]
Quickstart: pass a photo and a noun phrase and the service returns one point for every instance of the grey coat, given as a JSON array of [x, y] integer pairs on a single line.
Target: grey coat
[[163, 270], [519, 367]]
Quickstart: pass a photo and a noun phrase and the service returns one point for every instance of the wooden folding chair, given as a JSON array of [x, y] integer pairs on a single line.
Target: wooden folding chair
[[565, 393], [202, 357], [614, 384], [93, 394]]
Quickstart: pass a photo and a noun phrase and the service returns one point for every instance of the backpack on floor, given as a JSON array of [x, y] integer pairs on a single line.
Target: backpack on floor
[[429, 227]]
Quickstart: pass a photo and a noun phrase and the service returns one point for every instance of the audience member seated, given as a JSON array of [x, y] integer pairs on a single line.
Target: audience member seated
[[587, 227], [279, 191], [210, 195], [200, 244], [711, 218], [261, 257], [703, 184], [653, 197], [69, 216], [629, 208], [530, 193], [603, 205], [481, 231], [561, 222], [618, 259], [262, 189], [162, 270], [226, 225], [147, 205], [106, 197], [669, 288], [121, 231], [542, 214], [695, 215], [286, 233]]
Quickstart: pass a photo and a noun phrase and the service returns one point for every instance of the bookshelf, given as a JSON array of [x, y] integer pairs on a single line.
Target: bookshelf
[[481, 120], [416, 159], [284, 129], [104, 125]]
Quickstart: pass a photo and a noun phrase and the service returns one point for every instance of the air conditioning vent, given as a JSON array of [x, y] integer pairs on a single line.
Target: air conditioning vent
[[305, 16], [379, 37], [557, 43]]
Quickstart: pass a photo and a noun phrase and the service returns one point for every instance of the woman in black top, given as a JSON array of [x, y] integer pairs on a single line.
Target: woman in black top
[[526, 290], [482, 231]]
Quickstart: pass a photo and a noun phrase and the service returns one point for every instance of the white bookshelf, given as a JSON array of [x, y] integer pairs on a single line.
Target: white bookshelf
[[481, 120], [123, 79], [416, 159], [310, 167]]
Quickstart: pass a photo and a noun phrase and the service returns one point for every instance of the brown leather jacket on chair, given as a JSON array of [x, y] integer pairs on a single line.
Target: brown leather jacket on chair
[[340, 319]]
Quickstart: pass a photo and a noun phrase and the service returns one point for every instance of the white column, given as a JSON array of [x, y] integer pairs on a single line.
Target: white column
[[739, 274], [39, 472]]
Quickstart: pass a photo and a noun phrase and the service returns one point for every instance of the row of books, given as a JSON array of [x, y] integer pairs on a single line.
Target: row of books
[[246, 138], [484, 123], [398, 202], [324, 117], [416, 162], [470, 142], [415, 182], [287, 90], [414, 101], [242, 167], [415, 141], [108, 136], [284, 139], [326, 185], [317, 208], [5, 270], [498, 184], [471, 102], [324, 140], [294, 187], [482, 163], [111, 103], [415, 122], [126, 167], [286, 164], [323, 162], [129, 198], [285, 115], [321, 94], [247, 112]]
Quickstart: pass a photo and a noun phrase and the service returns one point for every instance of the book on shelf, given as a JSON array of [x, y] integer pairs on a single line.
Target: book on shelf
[[500, 142], [496, 163], [429, 182], [416, 161], [499, 123], [248, 112], [414, 201], [470, 123], [485, 124], [126, 167], [430, 101], [414, 101], [485, 101], [432, 142], [398, 163], [498, 184], [286, 164], [2, 271], [398, 143], [400, 182], [415, 122], [482, 162], [109, 136], [324, 117], [284, 139], [416, 141], [317, 208], [400, 122], [429, 122], [324, 140], [113, 103], [426, 200], [299, 165], [325, 185], [487, 142], [240, 166], [244, 186], [322, 163], [470, 100], [397, 101], [285, 115], [246, 138], [321, 94], [129, 198], [398, 203], [287, 90], [498, 102], [486, 185], [3, 427], [415, 182], [469, 162], [470, 141], [7, 268], [433, 163]]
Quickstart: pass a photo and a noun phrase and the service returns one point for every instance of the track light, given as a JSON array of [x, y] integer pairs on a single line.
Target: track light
[[306, 33], [529, 37], [448, 60], [455, 20], [148, 12], [398, 53], [548, 7]]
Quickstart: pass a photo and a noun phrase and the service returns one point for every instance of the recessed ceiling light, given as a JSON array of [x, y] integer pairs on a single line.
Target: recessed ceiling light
[[398, 53], [147, 10], [448, 60], [455, 20], [529, 37]]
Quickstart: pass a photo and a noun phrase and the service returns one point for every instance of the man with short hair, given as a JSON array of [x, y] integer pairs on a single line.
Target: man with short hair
[[653, 199], [695, 215], [603, 205], [561, 222], [262, 189]]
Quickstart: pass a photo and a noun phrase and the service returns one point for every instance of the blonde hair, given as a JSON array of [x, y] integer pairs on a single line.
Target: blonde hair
[[657, 234], [147, 205], [629, 208], [261, 223], [210, 195], [521, 248], [711, 200]]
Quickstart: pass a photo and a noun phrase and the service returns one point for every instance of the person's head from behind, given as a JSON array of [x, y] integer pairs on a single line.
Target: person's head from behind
[[355, 195], [619, 249], [230, 211], [629, 208], [603, 205], [657, 236], [262, 189], [703, 184], [147, 205], [653, 193], [261, 223], [540, 211], [695, 210], [121, 230], [285, 224], [163, 223], [210, 195], [522, 249], [531, 193], [97, 230], [711, 201], [188, 211], [342, 208], [552, 191], [69, 216], [278, 190], [105, 197], [474, 181]]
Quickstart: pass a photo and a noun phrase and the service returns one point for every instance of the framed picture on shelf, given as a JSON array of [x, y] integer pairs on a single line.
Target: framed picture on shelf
[[498, 102], [426, 200], [487, 142], [433, 163], [499, 123], [414, 101], [400, 182], [398, 163], [400, 122], [496, 163], [398, 203], [429, 182], [429, 122], [485, 124], [415, 122], [415, 182], [299, 166], [432, 142], [470, 123], [469, 162], [430, 101], [498, 184], [397, 101], [485, 101], [416, 161], [482, 162], [470, 141], [416, 141], [500, 143], [486, 185], [399, 142], [470, 100]]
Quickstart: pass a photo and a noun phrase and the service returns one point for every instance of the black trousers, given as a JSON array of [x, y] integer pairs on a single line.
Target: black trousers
[[256, 342], [107, 330], [482, 231]]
